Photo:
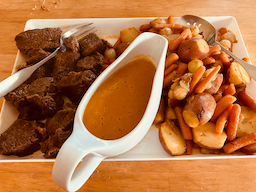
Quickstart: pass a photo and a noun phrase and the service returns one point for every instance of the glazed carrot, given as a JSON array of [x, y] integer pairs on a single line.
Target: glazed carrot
[[231, 90], [182, 68], [170, 69], [168, 25], [239, 143], [204, 84], [145, 27], [223, 30], [185, 129], [117, 43], [233, 120], [222, 119], [225, 59], [190, 146], [168, 79], [217, 96], [170, 19], [176, 42], [208, 60], [171, 59], [222, 104], [223, 88], [214, 50], [246, 59], [248, 99], [196, 77]]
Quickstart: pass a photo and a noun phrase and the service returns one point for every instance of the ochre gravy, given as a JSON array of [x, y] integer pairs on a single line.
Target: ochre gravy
[[120, 101]]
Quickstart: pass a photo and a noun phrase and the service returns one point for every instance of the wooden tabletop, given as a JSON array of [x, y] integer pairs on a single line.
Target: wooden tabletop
[[157, 176]]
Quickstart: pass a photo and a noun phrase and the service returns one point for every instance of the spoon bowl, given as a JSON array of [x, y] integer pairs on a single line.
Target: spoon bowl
[[82, 152], [210, 34]]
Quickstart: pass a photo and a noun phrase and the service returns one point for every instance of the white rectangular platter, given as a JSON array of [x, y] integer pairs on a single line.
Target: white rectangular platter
[[108, 28]]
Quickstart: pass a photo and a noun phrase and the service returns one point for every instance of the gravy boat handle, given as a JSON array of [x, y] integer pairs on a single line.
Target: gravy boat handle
[[74, 169]]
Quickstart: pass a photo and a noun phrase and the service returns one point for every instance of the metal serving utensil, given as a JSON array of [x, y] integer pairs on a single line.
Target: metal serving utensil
[[15, 80], [209, 33]]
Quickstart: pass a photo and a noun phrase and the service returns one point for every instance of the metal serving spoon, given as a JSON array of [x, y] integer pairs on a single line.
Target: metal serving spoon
[[209, 33], [16, 79]]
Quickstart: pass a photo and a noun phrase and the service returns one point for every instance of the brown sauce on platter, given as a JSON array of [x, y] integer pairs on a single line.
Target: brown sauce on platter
[[119, 103]]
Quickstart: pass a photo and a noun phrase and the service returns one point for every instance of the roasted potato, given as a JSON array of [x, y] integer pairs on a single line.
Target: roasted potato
[[248, 124], [237, 75], [195, 48], [199, 109], [128, 35], [215, 85], [171, 138], [249, 148], [206, 137]]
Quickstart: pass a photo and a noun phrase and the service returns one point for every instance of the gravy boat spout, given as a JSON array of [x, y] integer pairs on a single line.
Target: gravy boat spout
[[82, 152]]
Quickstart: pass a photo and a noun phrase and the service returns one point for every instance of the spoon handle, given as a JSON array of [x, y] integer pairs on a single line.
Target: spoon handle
[[15, 80], [250, 69]]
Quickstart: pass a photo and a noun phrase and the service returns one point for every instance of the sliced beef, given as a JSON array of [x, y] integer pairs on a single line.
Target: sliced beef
[[72, 44], [59, 129], [93, 63], [64, 63], [47, 39], [75, 84], [22, 138], [91, 43]]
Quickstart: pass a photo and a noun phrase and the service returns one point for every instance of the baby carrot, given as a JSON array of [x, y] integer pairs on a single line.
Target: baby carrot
[[246, 59], [168, 25], [170, 69], [231, 90], [222, 119], [170, 19], [185, 129], [204, 84], [117, 43], [239, 143], [214, 50], [233, 120], [223, 88], [225, 59], [222, 104], [208, 60], [168, 79], [171, 59], [248, 99], [196, 77], [145, 27], [176, 42], [190, 146]]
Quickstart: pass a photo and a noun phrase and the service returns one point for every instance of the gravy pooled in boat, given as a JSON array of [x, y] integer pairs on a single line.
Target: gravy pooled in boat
[[120, 101]]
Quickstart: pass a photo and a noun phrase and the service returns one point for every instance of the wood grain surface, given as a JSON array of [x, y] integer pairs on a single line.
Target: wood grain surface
[[157, 176]]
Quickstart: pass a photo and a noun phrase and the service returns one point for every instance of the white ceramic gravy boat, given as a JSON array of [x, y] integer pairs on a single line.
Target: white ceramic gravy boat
[[82, 152]]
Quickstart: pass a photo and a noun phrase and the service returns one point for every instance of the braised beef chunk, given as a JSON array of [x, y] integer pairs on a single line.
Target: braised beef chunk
[[59, 129], [72, 44], [36, 55], [91, 43], [63, 120], [47, 39], [75, 84], [93, 63], [17, 97], [37, 100], [64, 63], [22, 138]]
